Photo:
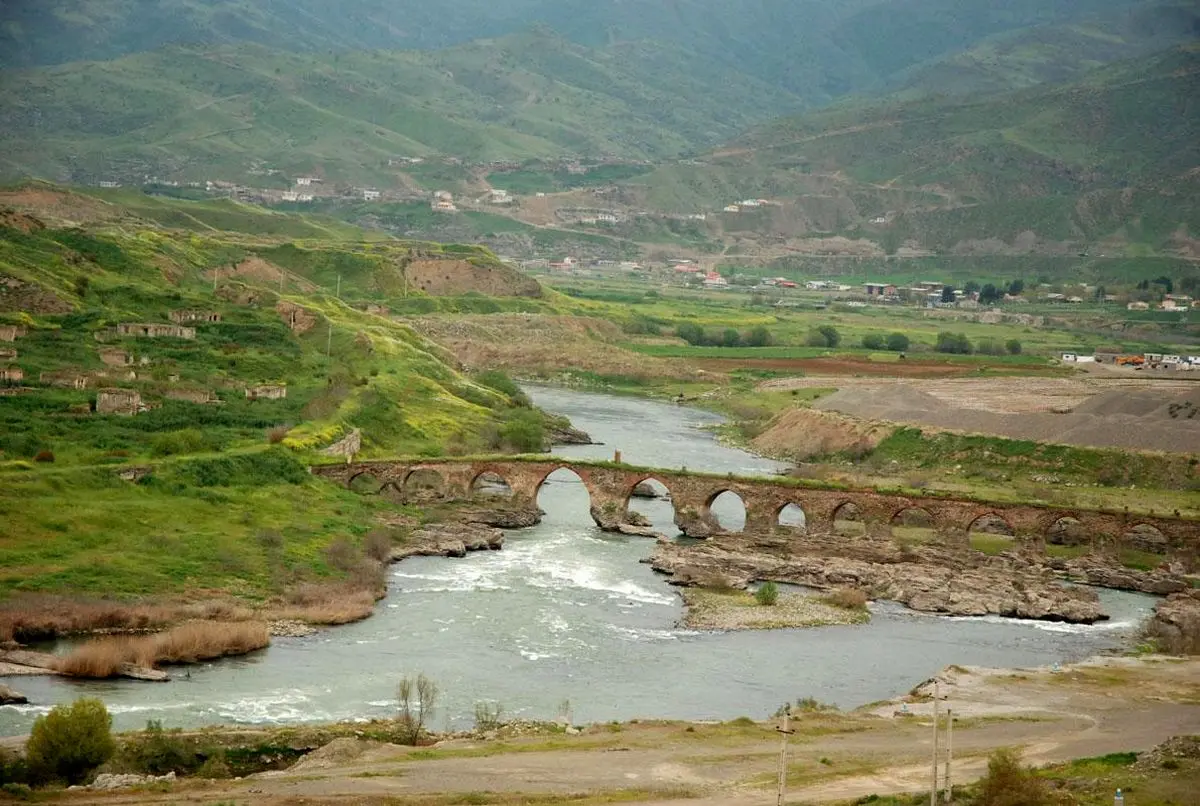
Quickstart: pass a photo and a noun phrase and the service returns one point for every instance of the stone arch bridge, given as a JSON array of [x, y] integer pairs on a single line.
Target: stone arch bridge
[[692, 494]]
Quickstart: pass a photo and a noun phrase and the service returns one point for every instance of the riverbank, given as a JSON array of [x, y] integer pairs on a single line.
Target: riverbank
[[1054, 716]]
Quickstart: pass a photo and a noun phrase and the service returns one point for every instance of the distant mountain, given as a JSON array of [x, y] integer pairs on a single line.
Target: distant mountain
[[819, 50], [1114, 156], [229, 112]]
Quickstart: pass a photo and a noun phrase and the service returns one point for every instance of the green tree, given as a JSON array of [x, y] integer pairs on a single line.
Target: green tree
[[972, 287], [873, 341], [767, 594], [897, 342], [948, 293], [831, 335], [71, 741], [731, 338], [1016, 287], [989, 294], [1013, 346], [690, 332]]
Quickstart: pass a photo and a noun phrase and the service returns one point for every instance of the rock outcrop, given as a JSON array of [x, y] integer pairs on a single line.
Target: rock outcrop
[[449, 540], [932, 580], [1175, 625], [10, 696], [503, 518]]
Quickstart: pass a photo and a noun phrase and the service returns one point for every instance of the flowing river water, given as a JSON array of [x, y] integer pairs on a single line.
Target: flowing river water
[[566, 612]]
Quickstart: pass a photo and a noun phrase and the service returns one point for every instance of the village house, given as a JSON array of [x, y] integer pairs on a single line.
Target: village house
[[125, 402], [200, 396], [369, 194], [184, 316], [497, 196], [732, 208], [566, 264], [8, 354], [266, 391], [11, 375], [307, 181], [1138, 306], [714, 280], [879, 289]]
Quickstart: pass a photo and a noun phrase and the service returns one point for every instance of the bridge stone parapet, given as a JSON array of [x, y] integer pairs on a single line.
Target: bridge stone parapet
[[610, 487]]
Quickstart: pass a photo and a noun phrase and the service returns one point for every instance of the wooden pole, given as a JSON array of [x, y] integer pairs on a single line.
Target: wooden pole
[[949, 754], [784, 733], [933, 789]]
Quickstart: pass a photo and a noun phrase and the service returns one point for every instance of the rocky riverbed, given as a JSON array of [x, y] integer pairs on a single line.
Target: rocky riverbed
[[931, 579]]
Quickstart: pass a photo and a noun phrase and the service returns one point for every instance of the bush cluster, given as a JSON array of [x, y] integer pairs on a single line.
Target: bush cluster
[[697, 336], [895, 342], [823, 336]]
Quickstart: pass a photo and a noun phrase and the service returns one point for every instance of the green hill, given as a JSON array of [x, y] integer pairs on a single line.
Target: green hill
[[1108, 158], [262, 116], [251, 353]]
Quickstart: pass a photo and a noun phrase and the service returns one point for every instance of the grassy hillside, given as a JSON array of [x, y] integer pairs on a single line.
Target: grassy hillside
[[1110, 156], [227, 503], [266, 116]]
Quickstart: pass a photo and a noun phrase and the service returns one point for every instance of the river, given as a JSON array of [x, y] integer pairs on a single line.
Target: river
[[567, 613]]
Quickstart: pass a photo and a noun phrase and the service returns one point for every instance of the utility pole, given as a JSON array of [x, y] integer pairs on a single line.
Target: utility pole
[[784, 733], [216, 272], [329, 341], [949, 754], [338, 293], [933, 789]]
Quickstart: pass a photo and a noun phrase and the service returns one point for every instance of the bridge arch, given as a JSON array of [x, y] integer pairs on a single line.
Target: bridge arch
[[424, 483], [728, 508], [490, 482], [649, 501], [849, 519], [790, 514], [912, 524], [365, 483], [990, 533], [561, 491]]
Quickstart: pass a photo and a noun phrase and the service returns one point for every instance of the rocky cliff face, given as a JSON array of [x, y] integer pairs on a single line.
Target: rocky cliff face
[[1176, 623], [930, 579]]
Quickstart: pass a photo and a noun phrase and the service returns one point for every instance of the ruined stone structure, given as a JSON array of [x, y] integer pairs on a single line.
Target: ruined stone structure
[[8, 354], [192, 395], [115, 357], [118, 401], [692, 495], [298, 319], [64, 379], [11, 374], [185, 316], [11, 332], [146, 330], [266, 391]]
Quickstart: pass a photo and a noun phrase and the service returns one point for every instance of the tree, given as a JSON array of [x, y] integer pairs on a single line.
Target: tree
[[71, 741], [690, 332], [948, 293], [989, 294], [1013, 346], [873, 341], [971, 287], [832, 337], [1007, 783], [897, 342], [417, 699], [758, 337], [731, 338], [1016, 287], [1165, 282], [522, 431]]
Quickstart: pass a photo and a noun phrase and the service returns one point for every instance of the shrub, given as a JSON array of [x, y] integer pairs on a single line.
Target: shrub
[[378, 545], [847, 598], [276, 434], [156, 751], [13, 770], [502, 383], [522, 431], [758, 337], [44, 456], [989, 347], [823, 336], [767, 594], [342, 555], [488, 716], [1013, 346], [1007, 783], [175, 443], [897, 342], [954, 343], [417, 698], [71, 741], [873, 341]]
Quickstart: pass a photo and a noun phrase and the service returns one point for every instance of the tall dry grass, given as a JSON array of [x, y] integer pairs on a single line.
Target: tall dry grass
[[188, 643], [847, 598], [42, 617], [326, 604]]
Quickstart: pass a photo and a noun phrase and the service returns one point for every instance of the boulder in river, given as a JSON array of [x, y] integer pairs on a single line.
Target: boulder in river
[[505, 517], [10, 696], [449, 540]]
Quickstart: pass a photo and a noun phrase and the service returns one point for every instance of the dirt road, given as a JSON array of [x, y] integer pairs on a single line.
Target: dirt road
[[1085, 710]]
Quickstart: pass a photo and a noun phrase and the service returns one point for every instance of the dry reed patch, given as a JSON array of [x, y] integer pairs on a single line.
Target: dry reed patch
[[41, 617], [188, 643], [847, 599], [326, 605], [205, 640]]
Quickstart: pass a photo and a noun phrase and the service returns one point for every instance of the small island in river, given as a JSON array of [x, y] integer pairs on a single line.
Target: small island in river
[[730, 609]]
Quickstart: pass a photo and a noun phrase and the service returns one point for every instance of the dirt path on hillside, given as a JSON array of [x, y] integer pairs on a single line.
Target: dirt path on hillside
[[1089, 709]]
